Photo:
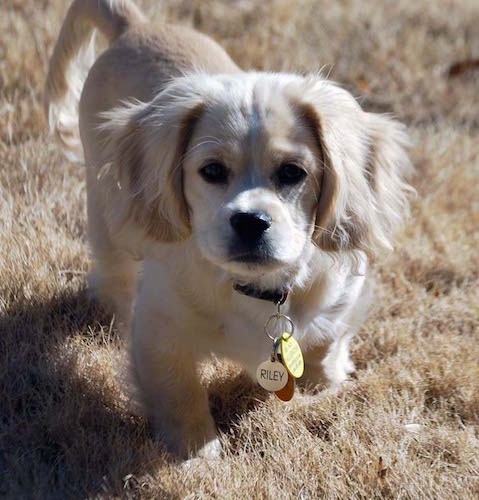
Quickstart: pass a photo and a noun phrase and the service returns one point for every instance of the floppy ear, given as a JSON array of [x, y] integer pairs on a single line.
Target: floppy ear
[[363, 195], [146, 145]]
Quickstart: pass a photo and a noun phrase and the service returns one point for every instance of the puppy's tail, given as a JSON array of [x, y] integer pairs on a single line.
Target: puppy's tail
[[72, 58]]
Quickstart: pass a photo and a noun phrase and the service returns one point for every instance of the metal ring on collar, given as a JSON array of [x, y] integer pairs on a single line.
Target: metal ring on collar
[[278, 317]]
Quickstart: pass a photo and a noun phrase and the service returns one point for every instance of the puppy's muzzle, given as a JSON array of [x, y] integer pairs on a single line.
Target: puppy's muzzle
[[250, 226]]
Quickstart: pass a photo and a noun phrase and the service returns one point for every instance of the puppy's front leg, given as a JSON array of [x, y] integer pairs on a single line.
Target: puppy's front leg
[[167, 377], [328, 365]]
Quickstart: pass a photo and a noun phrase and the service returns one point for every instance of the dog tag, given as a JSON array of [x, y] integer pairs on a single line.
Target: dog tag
[[291, 355], [287, 392], [272, 375]]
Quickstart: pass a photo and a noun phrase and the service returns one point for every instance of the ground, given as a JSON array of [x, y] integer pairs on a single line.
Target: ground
[[407, 425]]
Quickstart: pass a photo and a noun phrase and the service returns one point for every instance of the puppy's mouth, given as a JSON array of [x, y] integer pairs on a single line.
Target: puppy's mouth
[[255, 260], [260, 254]]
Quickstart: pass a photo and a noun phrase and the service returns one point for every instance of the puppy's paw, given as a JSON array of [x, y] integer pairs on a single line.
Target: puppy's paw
[[192, 441], [209, 454], [211, 450]]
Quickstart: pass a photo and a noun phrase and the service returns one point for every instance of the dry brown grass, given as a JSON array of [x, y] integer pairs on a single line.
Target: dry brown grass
[[406, 427]]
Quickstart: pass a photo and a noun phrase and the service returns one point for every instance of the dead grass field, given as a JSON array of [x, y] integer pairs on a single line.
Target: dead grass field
[[406, 427]]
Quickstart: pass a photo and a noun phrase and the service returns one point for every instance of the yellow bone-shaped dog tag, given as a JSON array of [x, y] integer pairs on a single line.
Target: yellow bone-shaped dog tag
[[291, 355]]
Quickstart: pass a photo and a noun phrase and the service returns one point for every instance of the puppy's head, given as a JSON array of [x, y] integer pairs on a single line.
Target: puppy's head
[[259, 169]]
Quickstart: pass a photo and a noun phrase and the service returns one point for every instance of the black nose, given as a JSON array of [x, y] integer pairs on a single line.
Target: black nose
[[250, 226]]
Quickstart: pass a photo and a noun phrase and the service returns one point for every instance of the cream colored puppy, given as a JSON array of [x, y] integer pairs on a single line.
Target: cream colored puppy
[[230, 188]]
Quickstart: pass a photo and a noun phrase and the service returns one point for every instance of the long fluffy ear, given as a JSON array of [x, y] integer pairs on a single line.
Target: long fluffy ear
[[146, 143], [364, 195]]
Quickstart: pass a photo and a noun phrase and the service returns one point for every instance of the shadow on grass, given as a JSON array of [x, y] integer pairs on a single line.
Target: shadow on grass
[[63, 431], [66, 429]]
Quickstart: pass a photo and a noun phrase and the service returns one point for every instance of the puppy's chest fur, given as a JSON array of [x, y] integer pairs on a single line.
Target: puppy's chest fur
[[210, 317]]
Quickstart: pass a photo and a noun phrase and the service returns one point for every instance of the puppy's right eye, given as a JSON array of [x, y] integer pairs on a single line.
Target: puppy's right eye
[[214, 173]]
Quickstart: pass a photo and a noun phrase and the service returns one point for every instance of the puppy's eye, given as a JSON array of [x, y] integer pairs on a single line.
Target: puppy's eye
[[290, 174], [214, 173]]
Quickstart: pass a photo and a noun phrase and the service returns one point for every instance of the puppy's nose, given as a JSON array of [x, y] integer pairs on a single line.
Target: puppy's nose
[[250, 226]]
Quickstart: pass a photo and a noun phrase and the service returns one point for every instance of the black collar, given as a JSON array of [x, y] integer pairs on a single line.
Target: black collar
[[276, 296]]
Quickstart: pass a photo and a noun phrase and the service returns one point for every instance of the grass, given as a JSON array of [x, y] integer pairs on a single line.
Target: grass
[[407, 426]]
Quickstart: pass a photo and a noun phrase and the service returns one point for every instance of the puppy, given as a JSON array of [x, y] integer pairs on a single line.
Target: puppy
[[231, 190]]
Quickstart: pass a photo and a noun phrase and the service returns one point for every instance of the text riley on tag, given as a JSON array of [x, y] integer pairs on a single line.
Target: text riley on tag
[[271, 375]]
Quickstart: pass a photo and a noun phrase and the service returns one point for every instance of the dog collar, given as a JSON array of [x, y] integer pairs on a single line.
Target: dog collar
[[276, 296]]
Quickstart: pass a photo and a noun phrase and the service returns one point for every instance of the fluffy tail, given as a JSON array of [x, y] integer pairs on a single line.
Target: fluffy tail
[[72, 58]]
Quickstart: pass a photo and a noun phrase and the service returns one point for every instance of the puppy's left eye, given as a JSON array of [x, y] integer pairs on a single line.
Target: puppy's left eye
[[214, 173], [290, 174]]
